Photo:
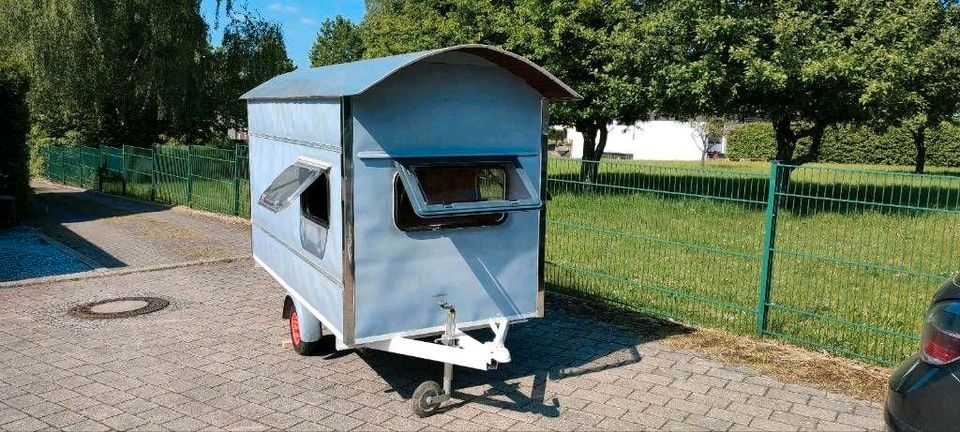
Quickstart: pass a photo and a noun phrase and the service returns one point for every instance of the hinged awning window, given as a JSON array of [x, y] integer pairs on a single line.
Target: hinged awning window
[[291, 182], [458, 186]]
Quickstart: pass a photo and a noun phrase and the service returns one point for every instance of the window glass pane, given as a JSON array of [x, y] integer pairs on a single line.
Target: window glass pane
[[407, 220], [442, 184], [290, 183]]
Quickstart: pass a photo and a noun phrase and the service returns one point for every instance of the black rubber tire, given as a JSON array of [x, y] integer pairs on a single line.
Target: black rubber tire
[[420, 406], [302, 347]]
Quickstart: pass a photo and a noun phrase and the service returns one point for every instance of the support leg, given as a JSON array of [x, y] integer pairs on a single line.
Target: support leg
[[449, 339], [428, 397]]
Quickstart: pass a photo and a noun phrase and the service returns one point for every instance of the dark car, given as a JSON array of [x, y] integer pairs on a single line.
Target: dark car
[[925, 389]]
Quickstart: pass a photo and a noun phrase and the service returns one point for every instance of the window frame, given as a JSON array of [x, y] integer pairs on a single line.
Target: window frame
[[315, 166], [406, 170], [452, 222]]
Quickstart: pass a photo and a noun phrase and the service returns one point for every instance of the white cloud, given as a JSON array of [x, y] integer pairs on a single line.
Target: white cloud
[[280, 7]]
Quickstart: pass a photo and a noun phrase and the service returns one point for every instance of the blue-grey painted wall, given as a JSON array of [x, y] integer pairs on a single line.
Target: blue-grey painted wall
[[280, 132], [452, 104]]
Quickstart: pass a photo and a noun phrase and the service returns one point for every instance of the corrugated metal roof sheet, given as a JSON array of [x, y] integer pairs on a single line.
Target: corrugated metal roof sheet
[[348, 79]]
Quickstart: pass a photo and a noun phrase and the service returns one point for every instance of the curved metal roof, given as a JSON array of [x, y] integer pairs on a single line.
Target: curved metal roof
[[348, 79]]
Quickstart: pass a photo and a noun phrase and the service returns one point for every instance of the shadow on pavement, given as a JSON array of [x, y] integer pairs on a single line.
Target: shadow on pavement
[[559, 347], [52, 208]]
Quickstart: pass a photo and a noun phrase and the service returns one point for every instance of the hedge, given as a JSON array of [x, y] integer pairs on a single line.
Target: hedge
[[850, 144], [752, 141], [14, 121]]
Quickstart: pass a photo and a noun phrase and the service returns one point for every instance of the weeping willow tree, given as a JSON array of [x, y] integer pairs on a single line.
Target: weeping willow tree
[[113, 72], [136, 72]]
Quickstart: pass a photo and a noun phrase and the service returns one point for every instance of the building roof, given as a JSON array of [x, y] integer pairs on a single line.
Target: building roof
[[349, 79]]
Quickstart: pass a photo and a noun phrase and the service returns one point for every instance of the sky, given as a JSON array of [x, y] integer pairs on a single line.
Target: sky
[[300, 20]]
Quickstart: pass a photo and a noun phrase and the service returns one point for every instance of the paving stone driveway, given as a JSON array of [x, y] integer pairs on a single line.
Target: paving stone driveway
[[213, 360], [115, 232]]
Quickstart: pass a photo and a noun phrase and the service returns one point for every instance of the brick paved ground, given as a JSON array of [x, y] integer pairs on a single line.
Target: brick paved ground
[[214, 360], [116, 232]]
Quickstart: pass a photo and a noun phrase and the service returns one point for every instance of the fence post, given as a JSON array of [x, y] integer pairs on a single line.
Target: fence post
[[101, 167], [189, 176], [123, 170], [769, 239], [236, 180], [80, 167], [153, 172], [63, 166]]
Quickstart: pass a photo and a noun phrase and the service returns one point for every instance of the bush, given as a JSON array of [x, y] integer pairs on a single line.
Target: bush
[[755, 140], [14, 125], [943, 146], [851, 144], [862, 145]]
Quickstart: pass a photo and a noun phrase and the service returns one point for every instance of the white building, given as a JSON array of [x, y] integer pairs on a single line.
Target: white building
[[667, 140]]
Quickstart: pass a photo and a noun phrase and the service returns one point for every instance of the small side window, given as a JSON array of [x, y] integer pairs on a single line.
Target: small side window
[[291, 182], [315, 201]]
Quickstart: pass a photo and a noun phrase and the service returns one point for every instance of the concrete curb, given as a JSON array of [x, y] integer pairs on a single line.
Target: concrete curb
[[89, 262]]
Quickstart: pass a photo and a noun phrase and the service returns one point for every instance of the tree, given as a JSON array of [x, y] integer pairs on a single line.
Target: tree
[[790, 62], [582, 42], [912, 66], [339, 41], [14, 124], [587, 45], [115, 72], [400, 26], [252, 52], [707, 131]]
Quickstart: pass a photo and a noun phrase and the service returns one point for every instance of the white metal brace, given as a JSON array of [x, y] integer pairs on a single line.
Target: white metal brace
[[468, 352]]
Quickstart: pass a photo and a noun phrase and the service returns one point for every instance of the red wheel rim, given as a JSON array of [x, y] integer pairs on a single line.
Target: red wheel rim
[[295, 328]]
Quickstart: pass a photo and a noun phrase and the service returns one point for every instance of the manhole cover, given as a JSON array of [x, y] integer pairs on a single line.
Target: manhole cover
[[119, 307]]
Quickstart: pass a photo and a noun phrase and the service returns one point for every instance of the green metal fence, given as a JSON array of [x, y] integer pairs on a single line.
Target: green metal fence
[[205, 178], [838, 259], [855, 255]]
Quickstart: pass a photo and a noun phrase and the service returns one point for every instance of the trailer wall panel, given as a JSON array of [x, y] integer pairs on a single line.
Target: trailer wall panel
[[442, 109]]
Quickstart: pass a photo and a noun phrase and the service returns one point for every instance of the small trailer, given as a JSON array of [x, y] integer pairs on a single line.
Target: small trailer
[[402, 197]]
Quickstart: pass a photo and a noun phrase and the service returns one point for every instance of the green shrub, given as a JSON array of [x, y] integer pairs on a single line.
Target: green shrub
[[755, 140], [852, 144], [943, 146], [14, 125], [862, 145]]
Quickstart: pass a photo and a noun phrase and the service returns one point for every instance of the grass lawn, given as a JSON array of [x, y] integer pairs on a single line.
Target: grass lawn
[[858, 252]]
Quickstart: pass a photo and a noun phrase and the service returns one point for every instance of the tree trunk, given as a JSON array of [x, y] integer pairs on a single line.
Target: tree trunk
[[919, 141], [816, 142], [587, 165], [786, 140], [594, 143]]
